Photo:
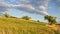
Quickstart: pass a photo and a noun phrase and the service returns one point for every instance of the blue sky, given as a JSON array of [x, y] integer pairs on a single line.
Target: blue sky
[[36, 9], [18, 13]]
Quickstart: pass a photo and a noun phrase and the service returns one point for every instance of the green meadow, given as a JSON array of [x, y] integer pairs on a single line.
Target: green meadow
[[21, 26]]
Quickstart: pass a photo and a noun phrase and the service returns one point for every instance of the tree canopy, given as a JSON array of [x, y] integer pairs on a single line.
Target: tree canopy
[[26, 17], [51, 19]]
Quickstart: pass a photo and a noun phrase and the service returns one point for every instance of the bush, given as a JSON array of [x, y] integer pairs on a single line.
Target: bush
[[26, 17], [6, 15], [38, 21]]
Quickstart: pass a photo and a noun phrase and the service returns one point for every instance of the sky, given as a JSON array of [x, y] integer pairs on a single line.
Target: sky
[[36, 9]]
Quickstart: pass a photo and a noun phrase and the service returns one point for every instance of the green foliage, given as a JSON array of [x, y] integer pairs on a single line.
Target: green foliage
[[38, 21], [26, 17], [6, 15], [50, 19], [12, 17]]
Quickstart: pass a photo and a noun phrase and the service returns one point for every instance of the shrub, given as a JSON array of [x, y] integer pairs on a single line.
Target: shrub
[[26, 17]]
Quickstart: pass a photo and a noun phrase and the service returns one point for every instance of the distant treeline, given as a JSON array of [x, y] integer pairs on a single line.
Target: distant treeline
[[50, 19]]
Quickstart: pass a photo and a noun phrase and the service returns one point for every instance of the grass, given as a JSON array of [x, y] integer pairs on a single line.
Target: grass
[[21, 26]]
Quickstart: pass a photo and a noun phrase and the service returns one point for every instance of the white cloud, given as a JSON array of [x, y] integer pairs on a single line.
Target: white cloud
[[33, 6]]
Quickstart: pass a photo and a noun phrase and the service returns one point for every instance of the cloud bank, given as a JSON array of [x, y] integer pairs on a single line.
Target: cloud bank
[[56, 2], [31, 6]]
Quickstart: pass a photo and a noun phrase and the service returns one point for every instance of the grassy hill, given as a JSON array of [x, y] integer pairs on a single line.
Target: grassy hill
[[20, 26]]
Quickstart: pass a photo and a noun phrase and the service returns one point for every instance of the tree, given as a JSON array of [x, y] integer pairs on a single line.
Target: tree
[[50, 19], [26, 17], [6, 15], [38, 21]]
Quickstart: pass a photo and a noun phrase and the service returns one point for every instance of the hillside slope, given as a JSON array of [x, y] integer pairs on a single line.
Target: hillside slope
[[20, 26]]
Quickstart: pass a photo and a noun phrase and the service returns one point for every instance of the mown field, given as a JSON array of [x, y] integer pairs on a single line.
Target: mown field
[[20, 26]]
